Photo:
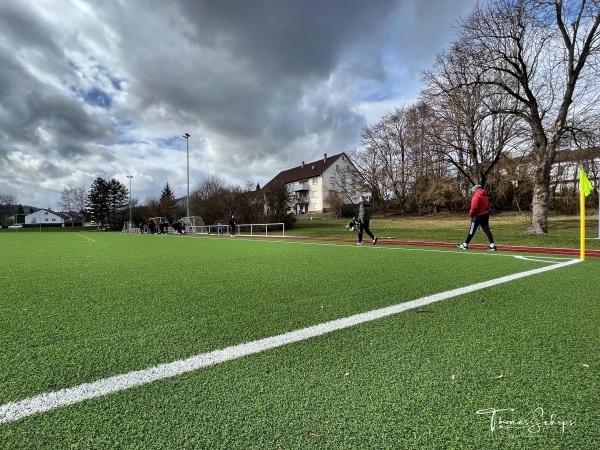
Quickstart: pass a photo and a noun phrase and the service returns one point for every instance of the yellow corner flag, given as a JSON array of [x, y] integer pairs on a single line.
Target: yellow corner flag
[[585, 187]]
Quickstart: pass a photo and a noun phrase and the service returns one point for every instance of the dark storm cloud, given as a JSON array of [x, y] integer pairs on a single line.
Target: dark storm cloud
[[288, 38], [242, 61], [65, 116], [21, 25]]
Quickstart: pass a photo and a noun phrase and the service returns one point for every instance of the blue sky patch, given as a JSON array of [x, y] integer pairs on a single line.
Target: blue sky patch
[[98, 98]]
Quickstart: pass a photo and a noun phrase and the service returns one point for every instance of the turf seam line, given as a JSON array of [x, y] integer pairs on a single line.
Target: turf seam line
[[52, 400]]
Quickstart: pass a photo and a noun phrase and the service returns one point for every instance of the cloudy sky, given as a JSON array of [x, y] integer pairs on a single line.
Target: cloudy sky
[[106, 88]]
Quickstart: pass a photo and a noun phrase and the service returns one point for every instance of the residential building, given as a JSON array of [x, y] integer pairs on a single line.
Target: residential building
[[44, 217], [565, 170], [310, 184]]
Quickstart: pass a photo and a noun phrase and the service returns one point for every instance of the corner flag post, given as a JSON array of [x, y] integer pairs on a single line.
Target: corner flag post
[[585, 187]]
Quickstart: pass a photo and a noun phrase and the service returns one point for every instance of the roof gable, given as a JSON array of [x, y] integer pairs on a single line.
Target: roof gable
[[305, 171], [49, 211]]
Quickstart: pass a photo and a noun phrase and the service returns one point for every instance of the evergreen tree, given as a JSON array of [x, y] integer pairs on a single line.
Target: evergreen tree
[[97, 201], [167, 204], [107, 201], [117, 203]]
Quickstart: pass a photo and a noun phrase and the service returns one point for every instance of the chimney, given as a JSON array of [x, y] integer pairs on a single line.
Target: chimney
[[325, 157], [303, 164]]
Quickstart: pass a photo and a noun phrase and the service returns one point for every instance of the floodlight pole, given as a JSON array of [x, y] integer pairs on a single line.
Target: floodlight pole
[[130, 177], [186, 136]]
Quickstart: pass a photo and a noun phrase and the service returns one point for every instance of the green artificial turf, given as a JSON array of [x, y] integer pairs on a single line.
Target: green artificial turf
[[108, 303]]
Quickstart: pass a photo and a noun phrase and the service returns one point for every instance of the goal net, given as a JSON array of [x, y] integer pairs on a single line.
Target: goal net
[[194, 225], [130, 227], [158, 225]]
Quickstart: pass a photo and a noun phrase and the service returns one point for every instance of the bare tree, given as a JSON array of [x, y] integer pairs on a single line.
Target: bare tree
[[209, 200], [345, 185], [79, 200], [544, 55], [381, 161], [73, 202], [464, 126], [387, 140], [399, 164], [366, 162]]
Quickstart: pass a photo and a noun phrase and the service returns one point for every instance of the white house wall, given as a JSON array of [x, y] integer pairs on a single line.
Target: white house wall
[[319, 185], [342, 164], [44, 217]]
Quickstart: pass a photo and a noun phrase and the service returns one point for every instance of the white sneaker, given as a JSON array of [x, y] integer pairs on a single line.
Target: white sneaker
[[492, 248], [375, 240], [359, 243], [462, 246]]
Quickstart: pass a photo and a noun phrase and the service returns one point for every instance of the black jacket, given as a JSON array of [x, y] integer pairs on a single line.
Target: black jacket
[[364, 211]]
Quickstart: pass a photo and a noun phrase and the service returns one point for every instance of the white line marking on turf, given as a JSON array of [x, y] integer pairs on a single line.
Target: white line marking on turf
[[85, 237], [542, 259], [48, 401]]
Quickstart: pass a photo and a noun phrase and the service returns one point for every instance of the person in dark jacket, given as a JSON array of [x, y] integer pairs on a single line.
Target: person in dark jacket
[[480, 217], [232, 224], [364, 216]]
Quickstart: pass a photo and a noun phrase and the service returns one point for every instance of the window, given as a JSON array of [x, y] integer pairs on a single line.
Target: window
[[337, 167], [315, 180], [314, 206], [315, 194]]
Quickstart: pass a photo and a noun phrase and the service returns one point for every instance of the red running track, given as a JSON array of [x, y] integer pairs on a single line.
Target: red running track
[[507, 248]]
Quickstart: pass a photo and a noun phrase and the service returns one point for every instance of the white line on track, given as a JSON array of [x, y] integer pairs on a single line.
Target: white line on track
[[48, 401], [539, 258]]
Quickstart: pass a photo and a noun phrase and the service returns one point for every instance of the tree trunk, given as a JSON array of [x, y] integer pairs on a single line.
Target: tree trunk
[[541, 184], [539, 209]]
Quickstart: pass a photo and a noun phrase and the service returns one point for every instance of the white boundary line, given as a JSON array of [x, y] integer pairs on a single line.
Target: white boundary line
[[48, 401], [474, 252]]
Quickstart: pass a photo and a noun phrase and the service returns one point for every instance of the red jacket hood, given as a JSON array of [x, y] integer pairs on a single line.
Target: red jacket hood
[[480, 204]]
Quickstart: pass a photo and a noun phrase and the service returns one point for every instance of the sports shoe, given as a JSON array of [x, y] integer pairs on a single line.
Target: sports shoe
[[359, 243], [462, 246], [492, 248], [375, 240]]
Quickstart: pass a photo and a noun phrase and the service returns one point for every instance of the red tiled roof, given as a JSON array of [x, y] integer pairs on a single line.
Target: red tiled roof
[[304, 171]]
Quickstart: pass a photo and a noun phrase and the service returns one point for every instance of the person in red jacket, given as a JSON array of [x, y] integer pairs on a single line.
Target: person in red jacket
[[480, 217]]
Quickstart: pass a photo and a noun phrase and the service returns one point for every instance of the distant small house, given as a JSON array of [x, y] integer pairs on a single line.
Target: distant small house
[[310, 183], [44, 217], [565, 169]]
